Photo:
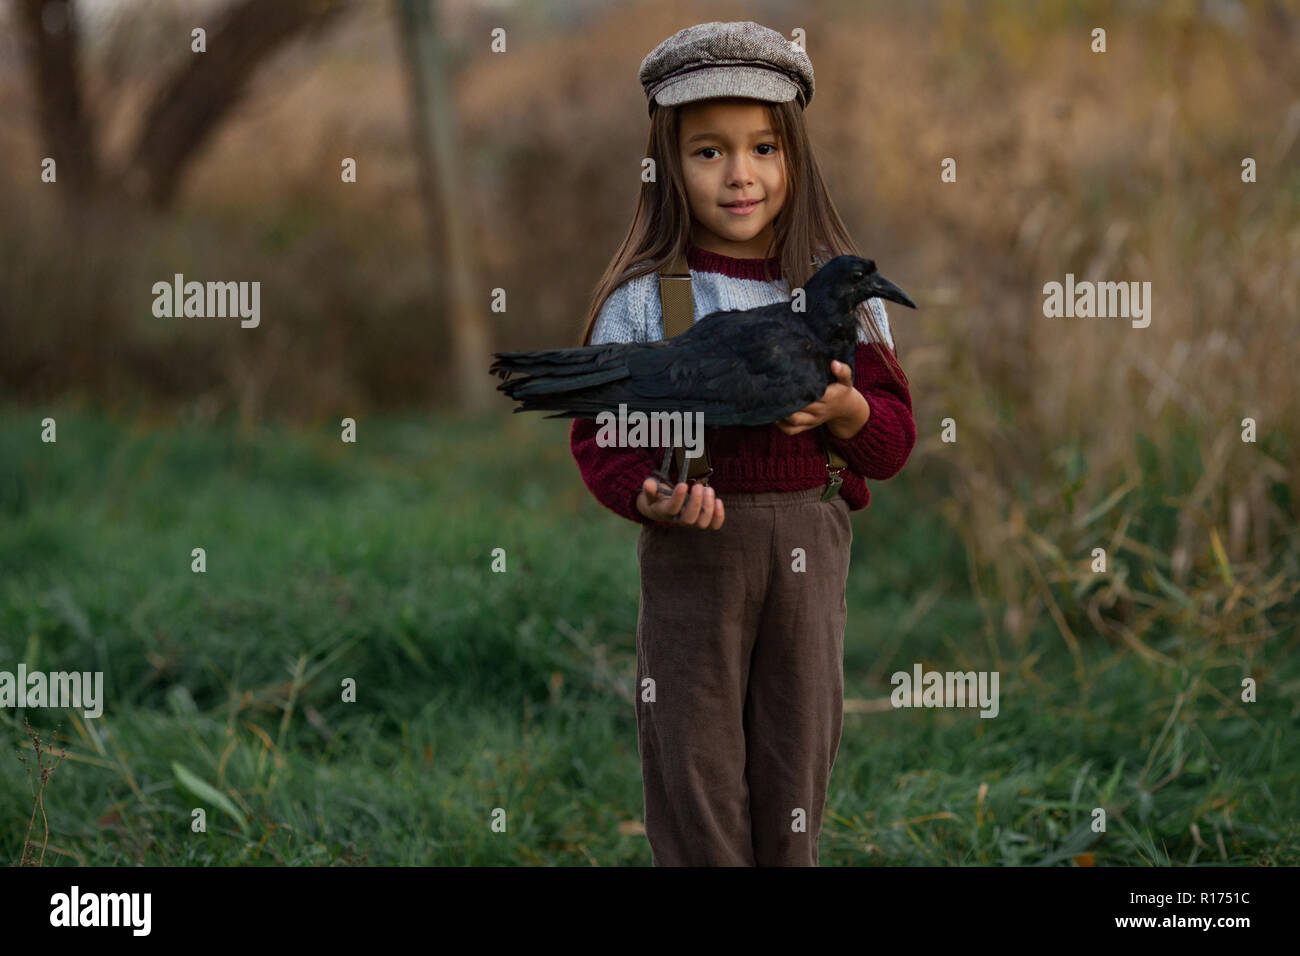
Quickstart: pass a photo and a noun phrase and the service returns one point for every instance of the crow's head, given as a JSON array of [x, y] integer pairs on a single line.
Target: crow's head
[[846, 281]]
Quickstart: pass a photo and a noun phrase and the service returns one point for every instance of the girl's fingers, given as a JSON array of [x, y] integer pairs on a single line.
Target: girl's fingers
[[664, 507], [705, 516], [679, 501], [696, 506], [691, 513]]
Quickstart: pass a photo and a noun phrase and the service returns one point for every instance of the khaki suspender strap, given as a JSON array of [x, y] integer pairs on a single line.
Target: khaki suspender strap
[[675, 297], [677, 305]]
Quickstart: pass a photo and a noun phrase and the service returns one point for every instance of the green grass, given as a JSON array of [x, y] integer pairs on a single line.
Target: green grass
[[475, 690]]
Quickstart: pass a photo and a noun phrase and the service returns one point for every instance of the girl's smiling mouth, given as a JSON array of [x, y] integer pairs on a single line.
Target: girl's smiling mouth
[[742, 207]]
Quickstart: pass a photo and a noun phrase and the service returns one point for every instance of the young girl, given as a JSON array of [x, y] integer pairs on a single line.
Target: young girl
[[741, 627]]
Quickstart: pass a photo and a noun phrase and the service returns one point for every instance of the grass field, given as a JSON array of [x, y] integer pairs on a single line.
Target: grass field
[[476, 690]]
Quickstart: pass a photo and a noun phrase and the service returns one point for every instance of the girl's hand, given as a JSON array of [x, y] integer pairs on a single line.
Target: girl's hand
[[701, 508], [842, 407]]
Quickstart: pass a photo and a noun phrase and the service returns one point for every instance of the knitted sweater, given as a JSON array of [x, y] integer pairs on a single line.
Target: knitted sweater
[[746, 457]]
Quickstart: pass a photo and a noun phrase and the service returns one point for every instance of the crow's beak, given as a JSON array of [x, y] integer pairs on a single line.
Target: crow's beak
[[878, 287]]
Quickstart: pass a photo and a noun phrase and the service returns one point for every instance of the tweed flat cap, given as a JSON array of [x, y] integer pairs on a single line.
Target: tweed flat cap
[[726, 59]]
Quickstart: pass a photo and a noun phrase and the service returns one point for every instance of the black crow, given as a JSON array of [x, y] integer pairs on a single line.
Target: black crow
[[741, 367]]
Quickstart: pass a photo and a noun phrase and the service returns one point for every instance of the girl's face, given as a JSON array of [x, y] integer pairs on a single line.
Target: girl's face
[[729, 152]]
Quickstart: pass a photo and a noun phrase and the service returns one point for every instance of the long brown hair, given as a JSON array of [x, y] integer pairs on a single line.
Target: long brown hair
[[808, 222]]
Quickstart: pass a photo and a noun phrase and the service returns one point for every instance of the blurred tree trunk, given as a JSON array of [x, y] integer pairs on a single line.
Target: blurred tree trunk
[[189, 106], [50, 31], [193, 102], [433, 129]]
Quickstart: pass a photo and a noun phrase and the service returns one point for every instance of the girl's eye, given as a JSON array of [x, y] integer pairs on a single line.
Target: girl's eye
[[714, 149]]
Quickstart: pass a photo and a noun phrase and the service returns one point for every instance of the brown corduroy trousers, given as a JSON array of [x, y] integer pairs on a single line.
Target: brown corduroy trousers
[[740, 679]]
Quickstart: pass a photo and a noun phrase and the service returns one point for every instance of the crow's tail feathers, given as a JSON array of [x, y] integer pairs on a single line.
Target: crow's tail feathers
[[584, 382], [553, 377], [553, 361]]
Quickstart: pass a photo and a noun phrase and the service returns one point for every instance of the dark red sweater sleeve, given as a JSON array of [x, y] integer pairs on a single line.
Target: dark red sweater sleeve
[[882, 446], [613, 475]]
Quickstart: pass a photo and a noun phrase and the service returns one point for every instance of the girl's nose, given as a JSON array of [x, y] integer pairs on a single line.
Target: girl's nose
[[741, 171]]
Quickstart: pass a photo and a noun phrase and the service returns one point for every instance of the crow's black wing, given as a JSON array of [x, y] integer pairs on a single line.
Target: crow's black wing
[[749, 367], [742, 367]]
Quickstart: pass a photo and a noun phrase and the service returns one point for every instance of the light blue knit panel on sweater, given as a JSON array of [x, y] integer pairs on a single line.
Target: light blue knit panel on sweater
[[633, 313]]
